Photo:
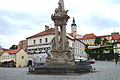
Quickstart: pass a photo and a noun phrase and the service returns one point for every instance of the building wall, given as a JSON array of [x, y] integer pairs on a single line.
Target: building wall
[[117, 48], [7, 57], [79, 49], [39, 47], [30, 41], [21, 58], [43, 45], [88, 41]]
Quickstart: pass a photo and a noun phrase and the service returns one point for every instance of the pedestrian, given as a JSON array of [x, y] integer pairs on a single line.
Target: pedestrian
[[116, 60]]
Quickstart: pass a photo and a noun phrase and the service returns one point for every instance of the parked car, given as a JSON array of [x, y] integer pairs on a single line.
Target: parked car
[[91, 61]]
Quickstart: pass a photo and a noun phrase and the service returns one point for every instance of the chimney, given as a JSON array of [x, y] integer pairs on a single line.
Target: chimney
[[46, 27]]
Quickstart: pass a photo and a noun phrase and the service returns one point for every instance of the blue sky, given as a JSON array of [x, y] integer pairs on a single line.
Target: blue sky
[[22, 18]]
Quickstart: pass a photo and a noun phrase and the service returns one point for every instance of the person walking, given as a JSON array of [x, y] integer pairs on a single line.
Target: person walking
[[116, 60]]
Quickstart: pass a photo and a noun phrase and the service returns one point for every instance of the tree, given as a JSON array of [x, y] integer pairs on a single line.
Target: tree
[[118, 39], [97, 40], [13, 47], [105, 41], [87, 50]]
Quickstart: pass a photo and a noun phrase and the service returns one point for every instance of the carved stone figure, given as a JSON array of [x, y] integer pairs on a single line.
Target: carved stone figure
[[60, 48]]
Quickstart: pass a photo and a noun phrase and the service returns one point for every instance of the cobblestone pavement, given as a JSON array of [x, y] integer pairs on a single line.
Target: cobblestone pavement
[[104, 71]]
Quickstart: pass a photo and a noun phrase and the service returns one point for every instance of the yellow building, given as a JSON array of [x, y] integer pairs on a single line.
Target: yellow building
[[88, 39], [16, 58]]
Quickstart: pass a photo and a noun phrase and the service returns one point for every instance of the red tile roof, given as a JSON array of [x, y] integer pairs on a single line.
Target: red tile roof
[[88, 36], [46, 32], [14, 51], [105, 36], [5, 49], [115, 37], [71, 34]]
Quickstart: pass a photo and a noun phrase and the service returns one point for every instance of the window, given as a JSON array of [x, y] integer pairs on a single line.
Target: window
[[46, 40], [115, 45], [14, 57], [40, 40], [48, 48], [73, 44], [22, 57], [34, 42]]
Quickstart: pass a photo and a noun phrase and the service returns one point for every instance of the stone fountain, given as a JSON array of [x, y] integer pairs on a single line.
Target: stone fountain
[[62, 60]]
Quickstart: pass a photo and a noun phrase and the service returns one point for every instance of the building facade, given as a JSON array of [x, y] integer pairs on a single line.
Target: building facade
[[14, 58], [88, 39], [116, 47], [79, 49], [41, 43]]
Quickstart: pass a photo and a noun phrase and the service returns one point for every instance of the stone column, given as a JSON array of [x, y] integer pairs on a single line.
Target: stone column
[[61, 33], [63, 36], [62, 3], [56, 38]]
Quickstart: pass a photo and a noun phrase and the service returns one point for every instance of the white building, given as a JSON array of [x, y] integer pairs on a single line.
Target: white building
[[117, 47], [88, 39], [41, 43], [79, 49]]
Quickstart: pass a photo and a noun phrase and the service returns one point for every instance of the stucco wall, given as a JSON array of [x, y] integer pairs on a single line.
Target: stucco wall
[[21, 58], [31, 40], [7, 57]]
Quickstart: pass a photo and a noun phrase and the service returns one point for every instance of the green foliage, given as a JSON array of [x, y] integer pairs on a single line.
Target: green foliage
[[13, 47], [118, 39], [99, 54], [105, 41], [97, 41], [87, 50]]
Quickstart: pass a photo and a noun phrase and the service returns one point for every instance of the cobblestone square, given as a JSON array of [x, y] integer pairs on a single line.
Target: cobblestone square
[[104, 71]]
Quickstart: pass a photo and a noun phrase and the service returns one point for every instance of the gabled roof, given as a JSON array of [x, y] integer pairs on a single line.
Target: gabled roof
[[88, 36], [105, 36], [46, 32], [71, 34], [5, 49], [14, 51], [115, 37], [91, 35]]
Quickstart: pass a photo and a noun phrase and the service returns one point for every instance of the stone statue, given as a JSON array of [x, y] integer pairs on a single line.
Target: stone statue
[[66, 44], [53, 44], [48, 58]]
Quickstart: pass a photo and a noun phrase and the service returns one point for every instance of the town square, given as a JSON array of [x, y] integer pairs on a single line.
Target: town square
[[56, 53]]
